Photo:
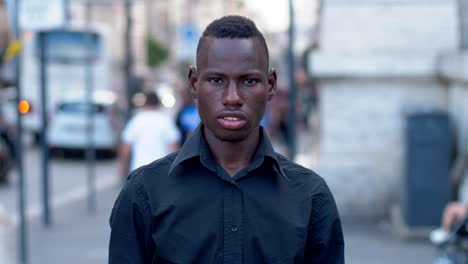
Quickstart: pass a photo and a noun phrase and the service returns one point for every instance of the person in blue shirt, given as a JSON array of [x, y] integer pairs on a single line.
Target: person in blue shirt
[[187, 118]]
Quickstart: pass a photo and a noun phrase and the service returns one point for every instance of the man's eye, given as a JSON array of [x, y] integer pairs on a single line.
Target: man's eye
[[215, 80], [250, 81]]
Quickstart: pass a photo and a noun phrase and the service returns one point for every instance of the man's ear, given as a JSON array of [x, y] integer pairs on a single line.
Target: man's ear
[[272, 80], [193, 79]]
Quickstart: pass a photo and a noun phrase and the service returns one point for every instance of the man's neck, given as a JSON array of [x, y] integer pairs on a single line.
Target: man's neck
[[233, 156], [150, 108]]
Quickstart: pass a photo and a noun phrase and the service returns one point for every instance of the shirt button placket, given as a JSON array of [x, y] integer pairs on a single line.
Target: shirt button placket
[[233, 210]]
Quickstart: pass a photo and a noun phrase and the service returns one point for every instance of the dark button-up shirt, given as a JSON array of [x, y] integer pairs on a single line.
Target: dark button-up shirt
[[185, 208]]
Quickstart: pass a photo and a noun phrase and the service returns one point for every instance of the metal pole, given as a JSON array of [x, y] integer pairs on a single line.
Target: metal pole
[[90, 150], [463, 23], [23, 245], [128, 58], [292, 87], [45, 151]]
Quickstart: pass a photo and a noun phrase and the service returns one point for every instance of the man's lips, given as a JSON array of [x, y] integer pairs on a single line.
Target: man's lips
[[232, 120]]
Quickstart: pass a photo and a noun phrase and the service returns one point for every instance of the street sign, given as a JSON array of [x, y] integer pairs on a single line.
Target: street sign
[[72, 46], [41, 15], [13, 49], [187, 41]]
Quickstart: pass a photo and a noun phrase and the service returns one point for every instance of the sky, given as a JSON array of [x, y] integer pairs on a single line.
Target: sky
[[273, 13]]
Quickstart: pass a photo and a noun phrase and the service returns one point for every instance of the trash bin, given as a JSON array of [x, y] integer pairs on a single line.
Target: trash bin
[[426, 184]]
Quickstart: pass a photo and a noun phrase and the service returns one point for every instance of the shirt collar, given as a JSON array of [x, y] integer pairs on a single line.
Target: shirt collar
[[190, 149], [196, 145], [269, 151]]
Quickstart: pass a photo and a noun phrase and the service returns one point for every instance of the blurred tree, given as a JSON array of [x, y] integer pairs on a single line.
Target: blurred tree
[[156, 52]]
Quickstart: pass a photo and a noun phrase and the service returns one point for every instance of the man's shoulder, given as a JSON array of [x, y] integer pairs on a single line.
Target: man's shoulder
[[155, 171], [305, 182], [161, 114], [135, 121], [297, 173], [152, 182]]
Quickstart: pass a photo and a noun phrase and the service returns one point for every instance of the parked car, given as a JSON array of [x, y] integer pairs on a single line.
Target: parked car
[[30, 115], [68, 129], [7, 147], [6, 161]]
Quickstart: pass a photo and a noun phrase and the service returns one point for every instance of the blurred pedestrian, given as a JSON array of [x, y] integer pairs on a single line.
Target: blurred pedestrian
[[187, 118], [279, 116], [454, 212], [226, 196], [148, 136]]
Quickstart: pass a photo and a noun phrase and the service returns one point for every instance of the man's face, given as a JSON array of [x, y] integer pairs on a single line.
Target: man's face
[[232, 85]]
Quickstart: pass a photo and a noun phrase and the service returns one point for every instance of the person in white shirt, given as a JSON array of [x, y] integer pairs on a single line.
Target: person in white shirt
[[148, 136]]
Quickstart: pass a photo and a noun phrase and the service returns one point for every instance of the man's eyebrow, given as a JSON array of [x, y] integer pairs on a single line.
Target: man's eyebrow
[[252, 73], [259, 74], [255, 73], [214, 73]]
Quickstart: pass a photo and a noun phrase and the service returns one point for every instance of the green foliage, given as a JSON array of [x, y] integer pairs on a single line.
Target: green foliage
[[156, 51]]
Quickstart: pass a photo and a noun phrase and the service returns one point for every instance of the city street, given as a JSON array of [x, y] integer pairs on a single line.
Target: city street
[[377, 106], [68, 181], [78, 236]]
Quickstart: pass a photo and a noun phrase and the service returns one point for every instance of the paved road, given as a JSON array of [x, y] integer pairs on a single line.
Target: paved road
[[372, 244], [76, 236], [68, 181]]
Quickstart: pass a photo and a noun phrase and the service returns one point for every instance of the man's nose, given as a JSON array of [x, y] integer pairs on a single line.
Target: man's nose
[[232, 94]]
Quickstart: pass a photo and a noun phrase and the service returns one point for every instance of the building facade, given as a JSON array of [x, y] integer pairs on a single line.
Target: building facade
[[378, 61], [163, 19]]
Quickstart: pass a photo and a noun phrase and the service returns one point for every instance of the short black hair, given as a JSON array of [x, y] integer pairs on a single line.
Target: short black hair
[[151, 98], [233, 27]]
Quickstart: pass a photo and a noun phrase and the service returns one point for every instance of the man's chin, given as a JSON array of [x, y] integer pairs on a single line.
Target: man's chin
[[231, 137]]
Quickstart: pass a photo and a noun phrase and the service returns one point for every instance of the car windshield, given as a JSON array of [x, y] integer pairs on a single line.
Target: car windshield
[[78, 107]]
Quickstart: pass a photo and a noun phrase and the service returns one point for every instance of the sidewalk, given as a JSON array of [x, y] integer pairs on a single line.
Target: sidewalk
[[78, 237]]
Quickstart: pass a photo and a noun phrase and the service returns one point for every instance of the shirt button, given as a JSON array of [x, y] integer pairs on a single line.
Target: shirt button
[[234, 228]]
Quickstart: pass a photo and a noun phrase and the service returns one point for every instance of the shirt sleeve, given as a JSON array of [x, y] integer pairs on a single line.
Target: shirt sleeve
[[129, 132], [325, 243], [130, 238]]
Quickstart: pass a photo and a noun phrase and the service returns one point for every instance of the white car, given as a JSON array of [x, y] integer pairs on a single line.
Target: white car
[[68, 129]]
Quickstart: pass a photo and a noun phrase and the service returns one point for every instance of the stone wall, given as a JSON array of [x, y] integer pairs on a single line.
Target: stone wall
[[378, 60], [362, 138]]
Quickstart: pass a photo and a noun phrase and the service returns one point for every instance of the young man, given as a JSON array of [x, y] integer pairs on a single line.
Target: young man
[[148, 136], [226, 196]]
